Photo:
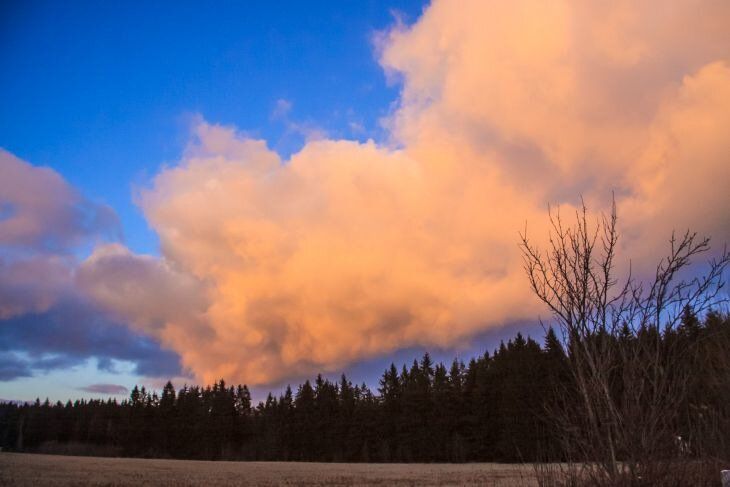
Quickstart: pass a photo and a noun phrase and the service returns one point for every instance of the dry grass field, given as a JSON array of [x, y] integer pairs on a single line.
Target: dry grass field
[[56, 470]]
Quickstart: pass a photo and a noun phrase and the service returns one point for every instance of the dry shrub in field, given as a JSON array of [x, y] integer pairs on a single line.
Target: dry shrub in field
[[633, 412]]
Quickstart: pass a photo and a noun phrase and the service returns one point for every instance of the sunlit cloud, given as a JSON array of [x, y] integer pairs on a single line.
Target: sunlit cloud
[[350, 250], [273, 268]]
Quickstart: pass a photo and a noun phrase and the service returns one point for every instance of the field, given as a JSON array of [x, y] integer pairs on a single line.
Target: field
[[56, 470]]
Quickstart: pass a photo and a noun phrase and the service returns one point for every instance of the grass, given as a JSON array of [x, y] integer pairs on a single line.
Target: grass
[[57, 470]]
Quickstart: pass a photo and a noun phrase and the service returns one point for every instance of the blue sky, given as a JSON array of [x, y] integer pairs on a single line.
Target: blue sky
[[104, 92]]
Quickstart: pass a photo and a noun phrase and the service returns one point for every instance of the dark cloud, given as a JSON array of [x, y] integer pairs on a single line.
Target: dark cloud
[[12, 366], [105, 389], [46, 322], [71, 332]]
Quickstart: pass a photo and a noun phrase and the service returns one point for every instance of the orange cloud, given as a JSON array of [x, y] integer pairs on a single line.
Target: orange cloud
[[349, 250]]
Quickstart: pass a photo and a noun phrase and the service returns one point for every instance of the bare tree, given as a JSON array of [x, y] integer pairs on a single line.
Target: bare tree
[[630, 375]]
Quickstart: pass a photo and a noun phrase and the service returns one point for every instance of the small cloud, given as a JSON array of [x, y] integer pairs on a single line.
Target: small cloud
[[356, 128], [113, 389], [293, 129], [281, 109], [309, 131]]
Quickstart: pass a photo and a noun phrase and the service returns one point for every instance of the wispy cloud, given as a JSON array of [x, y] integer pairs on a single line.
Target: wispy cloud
[[111, 389], [281, 110]]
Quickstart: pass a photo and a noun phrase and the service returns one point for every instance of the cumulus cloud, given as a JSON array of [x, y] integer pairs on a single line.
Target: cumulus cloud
[[276, 268], [144, 289], [47, 320], [339, 254], [43, 221], [555, 95], [350, 250], [680, 176]]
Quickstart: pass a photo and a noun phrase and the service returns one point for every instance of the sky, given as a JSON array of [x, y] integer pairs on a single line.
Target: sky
[[262, 192]]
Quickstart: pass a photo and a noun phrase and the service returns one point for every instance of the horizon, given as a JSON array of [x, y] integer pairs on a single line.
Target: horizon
[[368, 373]]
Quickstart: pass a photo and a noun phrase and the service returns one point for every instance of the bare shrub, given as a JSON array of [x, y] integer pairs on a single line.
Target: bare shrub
[[630, 359]]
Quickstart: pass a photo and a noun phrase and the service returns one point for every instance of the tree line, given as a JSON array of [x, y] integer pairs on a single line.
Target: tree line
[[496, 407]]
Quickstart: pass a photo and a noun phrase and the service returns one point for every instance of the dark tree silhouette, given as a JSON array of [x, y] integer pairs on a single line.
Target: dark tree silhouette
[[493, 409], [633, 351]]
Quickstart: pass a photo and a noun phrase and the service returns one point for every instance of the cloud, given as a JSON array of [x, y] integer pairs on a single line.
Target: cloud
[[346, 251], [352, 250], [356, 128], [274, 268], [680, 175], [145, 289], [39, 211], [12, 366], [33, 284], [72, 332], [47, 321], [293, 130], [43, 222], [113, 389], [281, 110]]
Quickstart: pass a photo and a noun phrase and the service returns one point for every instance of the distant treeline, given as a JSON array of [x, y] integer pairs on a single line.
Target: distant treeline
[[491, 409]]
